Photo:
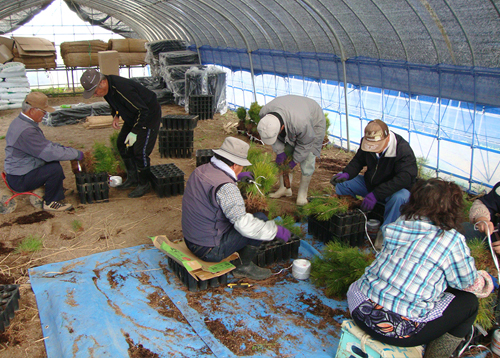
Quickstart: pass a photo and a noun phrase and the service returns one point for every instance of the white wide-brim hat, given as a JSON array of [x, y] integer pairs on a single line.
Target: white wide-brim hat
[[235, 150]]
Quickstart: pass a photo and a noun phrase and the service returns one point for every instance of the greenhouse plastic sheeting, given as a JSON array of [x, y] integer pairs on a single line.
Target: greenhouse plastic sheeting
[[480, 85], [100, 305]]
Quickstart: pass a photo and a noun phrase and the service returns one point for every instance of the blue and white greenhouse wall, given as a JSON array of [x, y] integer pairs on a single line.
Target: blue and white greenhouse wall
[[458, 140]]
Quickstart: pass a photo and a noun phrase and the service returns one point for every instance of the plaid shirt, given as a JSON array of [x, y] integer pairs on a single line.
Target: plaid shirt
[[418, 261]]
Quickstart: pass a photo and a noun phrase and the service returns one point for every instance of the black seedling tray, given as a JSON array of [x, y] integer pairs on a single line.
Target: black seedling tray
[[277, 251], [179, 121], [92, 188], [9, 303], [203, 156], [190, 282], [348, 228], [175, 143], [167, 180], [319, 229], [202, 106]]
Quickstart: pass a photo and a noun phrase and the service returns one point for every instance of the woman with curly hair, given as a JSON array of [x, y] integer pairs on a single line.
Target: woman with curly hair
[[422, 287]]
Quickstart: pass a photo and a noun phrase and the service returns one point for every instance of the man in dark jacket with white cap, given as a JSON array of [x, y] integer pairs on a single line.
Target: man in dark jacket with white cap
[[298, 123], [31, 160], [141, 114], [391, 171], [215, 223]]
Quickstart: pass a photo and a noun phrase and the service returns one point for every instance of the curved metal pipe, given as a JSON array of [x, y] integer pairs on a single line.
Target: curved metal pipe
[[366, 28], [343, 59], [393, 28], [244, 40], [427, 29], [465, 33]]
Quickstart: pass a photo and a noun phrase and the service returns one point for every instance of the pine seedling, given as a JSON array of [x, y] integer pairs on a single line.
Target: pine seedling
[[273, 209], [324, 208], [241, 113], [77, 225], [288, 222], [263, 170], [256, 155], [88, 162], [339, 266], [255, 203], [254, 111], [31, 243], [486, 312], [265, 176], [105, 160]]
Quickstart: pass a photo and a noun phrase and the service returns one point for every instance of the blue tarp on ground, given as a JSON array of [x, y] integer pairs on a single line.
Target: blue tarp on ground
[[100, 305]]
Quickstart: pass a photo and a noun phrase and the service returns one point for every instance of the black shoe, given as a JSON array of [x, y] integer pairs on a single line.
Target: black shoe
[[252, 272], [128, 183], [140, 190]]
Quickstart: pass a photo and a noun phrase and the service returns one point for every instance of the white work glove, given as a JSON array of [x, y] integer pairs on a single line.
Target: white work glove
[[130, 140]]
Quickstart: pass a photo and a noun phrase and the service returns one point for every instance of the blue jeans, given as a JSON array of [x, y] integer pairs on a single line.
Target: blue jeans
[[50, 175], [357, 186], [230, 242]]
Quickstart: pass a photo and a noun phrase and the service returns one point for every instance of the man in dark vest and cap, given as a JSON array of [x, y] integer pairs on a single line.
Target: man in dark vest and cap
[[215, 223]]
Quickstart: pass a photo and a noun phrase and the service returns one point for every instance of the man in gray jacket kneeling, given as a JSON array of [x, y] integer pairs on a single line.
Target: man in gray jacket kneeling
[[31, 160], [215, 223]]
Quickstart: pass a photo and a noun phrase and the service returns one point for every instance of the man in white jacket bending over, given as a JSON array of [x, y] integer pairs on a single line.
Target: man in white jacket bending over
[[215, 223], [297, 122]]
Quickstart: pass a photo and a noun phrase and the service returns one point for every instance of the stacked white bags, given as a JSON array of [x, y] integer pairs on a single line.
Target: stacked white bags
[[14, 85]]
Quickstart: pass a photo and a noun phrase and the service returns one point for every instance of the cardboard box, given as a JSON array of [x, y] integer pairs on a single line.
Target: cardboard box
[[5, 54], [109, 62], [9, 43], [350, 345], [34, 46], [200, 270]]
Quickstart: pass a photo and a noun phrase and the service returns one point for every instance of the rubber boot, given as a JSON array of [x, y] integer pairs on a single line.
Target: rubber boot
[[144, 184], [303, 188], [245, 268], [442, 347], [131, 168], [282, 191]]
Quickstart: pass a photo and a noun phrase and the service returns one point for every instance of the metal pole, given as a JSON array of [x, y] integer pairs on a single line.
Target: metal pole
[[346, 108], [253, 76]]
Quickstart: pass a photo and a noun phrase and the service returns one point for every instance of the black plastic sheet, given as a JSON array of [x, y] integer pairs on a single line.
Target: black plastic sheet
[[178, 58], [208, 81], [164, 96], [175, 73], [76, 114], [155, 47], [152, 83]]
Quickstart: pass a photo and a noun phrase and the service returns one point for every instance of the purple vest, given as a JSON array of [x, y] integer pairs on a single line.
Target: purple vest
[[203, 222]]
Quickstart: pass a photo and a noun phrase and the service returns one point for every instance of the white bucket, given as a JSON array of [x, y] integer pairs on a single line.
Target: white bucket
[[495, 342], [301, 269], [114, 181]]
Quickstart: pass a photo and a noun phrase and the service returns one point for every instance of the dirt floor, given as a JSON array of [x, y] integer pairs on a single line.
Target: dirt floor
[[92, 228]]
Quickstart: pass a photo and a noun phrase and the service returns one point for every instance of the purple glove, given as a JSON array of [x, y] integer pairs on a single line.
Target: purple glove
[[369, 202], [245, 176], [280, 158], [80, 156], [292, 164], [339, 178], [283, 234]]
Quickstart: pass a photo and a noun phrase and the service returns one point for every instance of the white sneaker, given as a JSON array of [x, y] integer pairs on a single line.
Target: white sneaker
[[56, 206]]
